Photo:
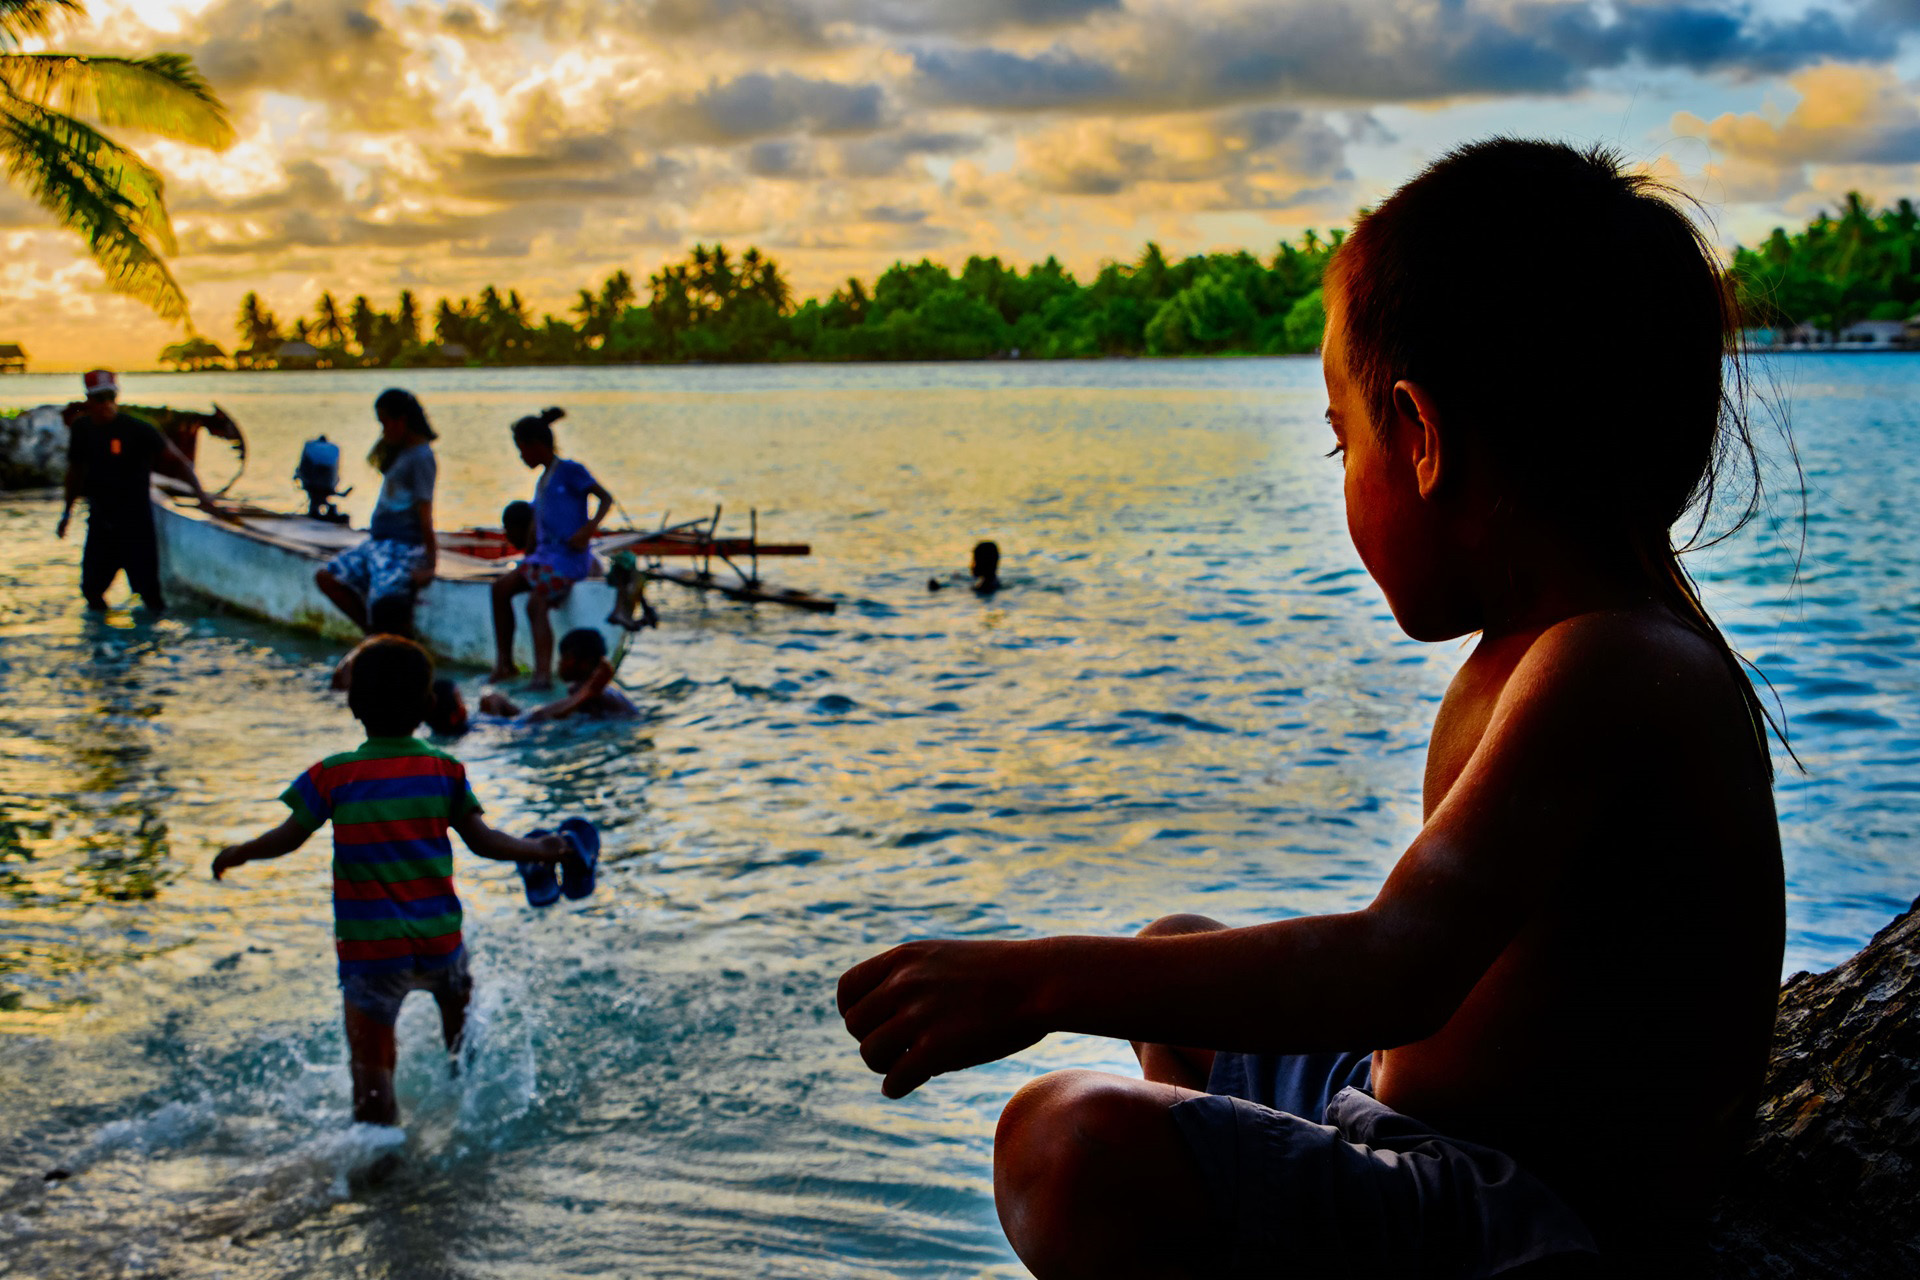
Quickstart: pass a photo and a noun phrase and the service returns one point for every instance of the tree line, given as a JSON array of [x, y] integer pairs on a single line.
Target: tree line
[[714, 307], [1835, 271]]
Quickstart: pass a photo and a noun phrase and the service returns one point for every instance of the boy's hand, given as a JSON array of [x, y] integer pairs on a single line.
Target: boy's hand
[[930, 1007], [554, 847], [227, 859]]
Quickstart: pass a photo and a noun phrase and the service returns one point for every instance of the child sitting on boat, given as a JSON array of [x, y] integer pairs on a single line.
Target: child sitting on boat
[[588, 675], [374, 583], [562, 532], [1472, 1073], [396, 916]]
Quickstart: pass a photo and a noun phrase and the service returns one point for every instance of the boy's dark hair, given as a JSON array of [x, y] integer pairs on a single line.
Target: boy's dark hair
[[583, 644], [516, 521], [538, 428], [441, 717], [392, 686], [986, 558], [1572, 317]]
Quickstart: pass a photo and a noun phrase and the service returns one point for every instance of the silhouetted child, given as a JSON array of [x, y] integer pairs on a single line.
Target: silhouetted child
[[396, 919], [446, 714], [1545, 1035], [984, 573], [516, 522], [590, 688]]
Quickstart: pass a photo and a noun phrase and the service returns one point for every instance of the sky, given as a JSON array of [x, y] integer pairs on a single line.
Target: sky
[[440, 145]]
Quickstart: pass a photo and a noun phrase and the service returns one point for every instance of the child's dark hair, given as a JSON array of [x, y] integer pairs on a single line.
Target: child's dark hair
[[392, 686], [446, 714], [516, 521], [986, 558], [1578, 322], [396, 403], [538, 428], [583, 644]]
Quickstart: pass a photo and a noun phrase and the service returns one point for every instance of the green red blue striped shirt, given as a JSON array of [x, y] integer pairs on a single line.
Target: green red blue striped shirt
[[391, 803]]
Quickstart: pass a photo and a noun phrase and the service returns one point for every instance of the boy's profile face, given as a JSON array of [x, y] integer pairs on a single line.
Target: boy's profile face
[[1393, 527], [573, 668]]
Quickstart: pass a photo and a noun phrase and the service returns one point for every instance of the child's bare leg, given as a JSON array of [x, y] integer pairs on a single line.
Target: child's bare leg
[[1092, 1178], [1175, 1064], [505, 587], [371, 1052], [344, 597], [540, 627], [453, 1018]]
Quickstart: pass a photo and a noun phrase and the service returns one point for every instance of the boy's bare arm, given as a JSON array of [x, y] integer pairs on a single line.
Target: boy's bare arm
[[1558, 754], [277, 843], [590, 688], [501, 847]]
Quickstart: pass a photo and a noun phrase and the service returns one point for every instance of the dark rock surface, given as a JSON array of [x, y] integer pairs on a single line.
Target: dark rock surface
[[1830, 1185]]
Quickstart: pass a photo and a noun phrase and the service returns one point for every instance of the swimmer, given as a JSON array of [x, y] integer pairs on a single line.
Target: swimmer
[[588, 675], [985, 571]]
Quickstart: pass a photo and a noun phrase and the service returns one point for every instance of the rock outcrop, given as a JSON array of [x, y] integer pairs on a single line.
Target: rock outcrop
[[1830, 1185], [33, 448]]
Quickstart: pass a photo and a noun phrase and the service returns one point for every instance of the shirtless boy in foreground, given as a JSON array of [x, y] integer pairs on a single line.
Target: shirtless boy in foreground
[[1568, 981]]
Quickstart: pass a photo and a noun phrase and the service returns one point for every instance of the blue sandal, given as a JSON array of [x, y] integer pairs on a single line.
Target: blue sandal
[[543, 887], [577, 869]]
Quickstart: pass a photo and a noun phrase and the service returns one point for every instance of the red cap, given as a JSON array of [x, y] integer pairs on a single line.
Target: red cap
[[101, 382]]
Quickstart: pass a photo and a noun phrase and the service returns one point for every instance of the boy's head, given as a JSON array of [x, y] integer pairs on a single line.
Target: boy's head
[[1568, 367], [986, 559], [516, 521], [581, 650], [447, 715], [392, 686]]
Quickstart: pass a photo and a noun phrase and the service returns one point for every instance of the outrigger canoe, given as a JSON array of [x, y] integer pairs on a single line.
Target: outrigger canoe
[[261, 563]]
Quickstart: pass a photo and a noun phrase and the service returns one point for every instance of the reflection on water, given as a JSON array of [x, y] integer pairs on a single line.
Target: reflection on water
[[1188, 697]]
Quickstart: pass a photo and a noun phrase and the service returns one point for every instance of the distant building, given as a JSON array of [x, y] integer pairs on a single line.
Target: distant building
[[454, 352], [1805, 335], [297, 354], [13, 358], [1874, 333]]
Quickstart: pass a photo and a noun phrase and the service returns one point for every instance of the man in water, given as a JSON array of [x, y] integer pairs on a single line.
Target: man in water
[[111, 458]]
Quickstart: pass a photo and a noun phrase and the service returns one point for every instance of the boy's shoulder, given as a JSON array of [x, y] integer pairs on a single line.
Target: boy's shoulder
[[388, 749]]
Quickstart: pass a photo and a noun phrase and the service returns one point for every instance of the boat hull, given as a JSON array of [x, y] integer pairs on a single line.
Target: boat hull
[[265, 569]]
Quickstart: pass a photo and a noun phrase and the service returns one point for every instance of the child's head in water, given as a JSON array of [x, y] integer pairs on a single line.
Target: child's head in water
[[447, 716], [1538, 412], [516, 521], [392, 686], [581, 650]]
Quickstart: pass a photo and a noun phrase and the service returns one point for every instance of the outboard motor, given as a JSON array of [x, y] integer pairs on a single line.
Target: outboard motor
[[319, 474]]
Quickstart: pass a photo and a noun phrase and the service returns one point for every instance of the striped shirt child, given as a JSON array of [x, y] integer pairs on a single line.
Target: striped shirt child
[[391, 803]]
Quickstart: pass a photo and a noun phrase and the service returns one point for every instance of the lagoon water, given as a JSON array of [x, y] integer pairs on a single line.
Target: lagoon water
[[1189, 697]]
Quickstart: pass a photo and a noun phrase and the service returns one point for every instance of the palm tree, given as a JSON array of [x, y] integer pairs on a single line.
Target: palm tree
[[327, 321], [50, 104]]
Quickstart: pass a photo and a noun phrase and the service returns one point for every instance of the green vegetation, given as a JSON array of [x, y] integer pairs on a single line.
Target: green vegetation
[[1861, 265], [716, 308], [91, 184]]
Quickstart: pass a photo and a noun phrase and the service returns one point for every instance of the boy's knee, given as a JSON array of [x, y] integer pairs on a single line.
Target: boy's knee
[[324, 579], [1055, 1128], [1183, 922]]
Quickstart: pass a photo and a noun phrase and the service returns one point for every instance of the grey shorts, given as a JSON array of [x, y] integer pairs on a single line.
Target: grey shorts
[[1360, 1190], [380, 995]]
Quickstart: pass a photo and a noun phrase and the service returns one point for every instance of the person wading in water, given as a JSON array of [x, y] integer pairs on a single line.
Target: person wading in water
[[111, 458]]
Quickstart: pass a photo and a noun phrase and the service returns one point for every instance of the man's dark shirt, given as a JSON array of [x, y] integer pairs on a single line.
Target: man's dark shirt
[[117, 459]]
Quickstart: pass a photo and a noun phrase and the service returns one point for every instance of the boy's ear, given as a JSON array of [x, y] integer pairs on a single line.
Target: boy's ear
[[1421, 428]]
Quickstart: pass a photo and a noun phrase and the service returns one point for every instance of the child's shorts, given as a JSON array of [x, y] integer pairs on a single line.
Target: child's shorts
[[1369, 1192], [380, 995], [544, 583], [378, 568]]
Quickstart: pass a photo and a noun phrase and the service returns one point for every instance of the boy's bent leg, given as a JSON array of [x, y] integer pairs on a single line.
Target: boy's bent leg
[[1092, 1177], [1176, 1064], [344, 597], [540, 631], [505, 588], [370, 1050], [452, 990]]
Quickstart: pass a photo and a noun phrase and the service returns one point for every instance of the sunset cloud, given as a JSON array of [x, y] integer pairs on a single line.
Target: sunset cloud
[[444, 144]]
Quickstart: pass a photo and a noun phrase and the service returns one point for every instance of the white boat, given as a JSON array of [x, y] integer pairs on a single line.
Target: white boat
[[261, 563]]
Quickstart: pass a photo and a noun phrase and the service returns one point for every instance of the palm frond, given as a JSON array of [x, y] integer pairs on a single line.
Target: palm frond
[[102, 191], [162, 93], [20, 19]]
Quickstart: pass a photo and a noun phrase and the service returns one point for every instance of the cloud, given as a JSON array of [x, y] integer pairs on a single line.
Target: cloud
[[760, 105], [349, 54], [1175, 59], [1846, 115]]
